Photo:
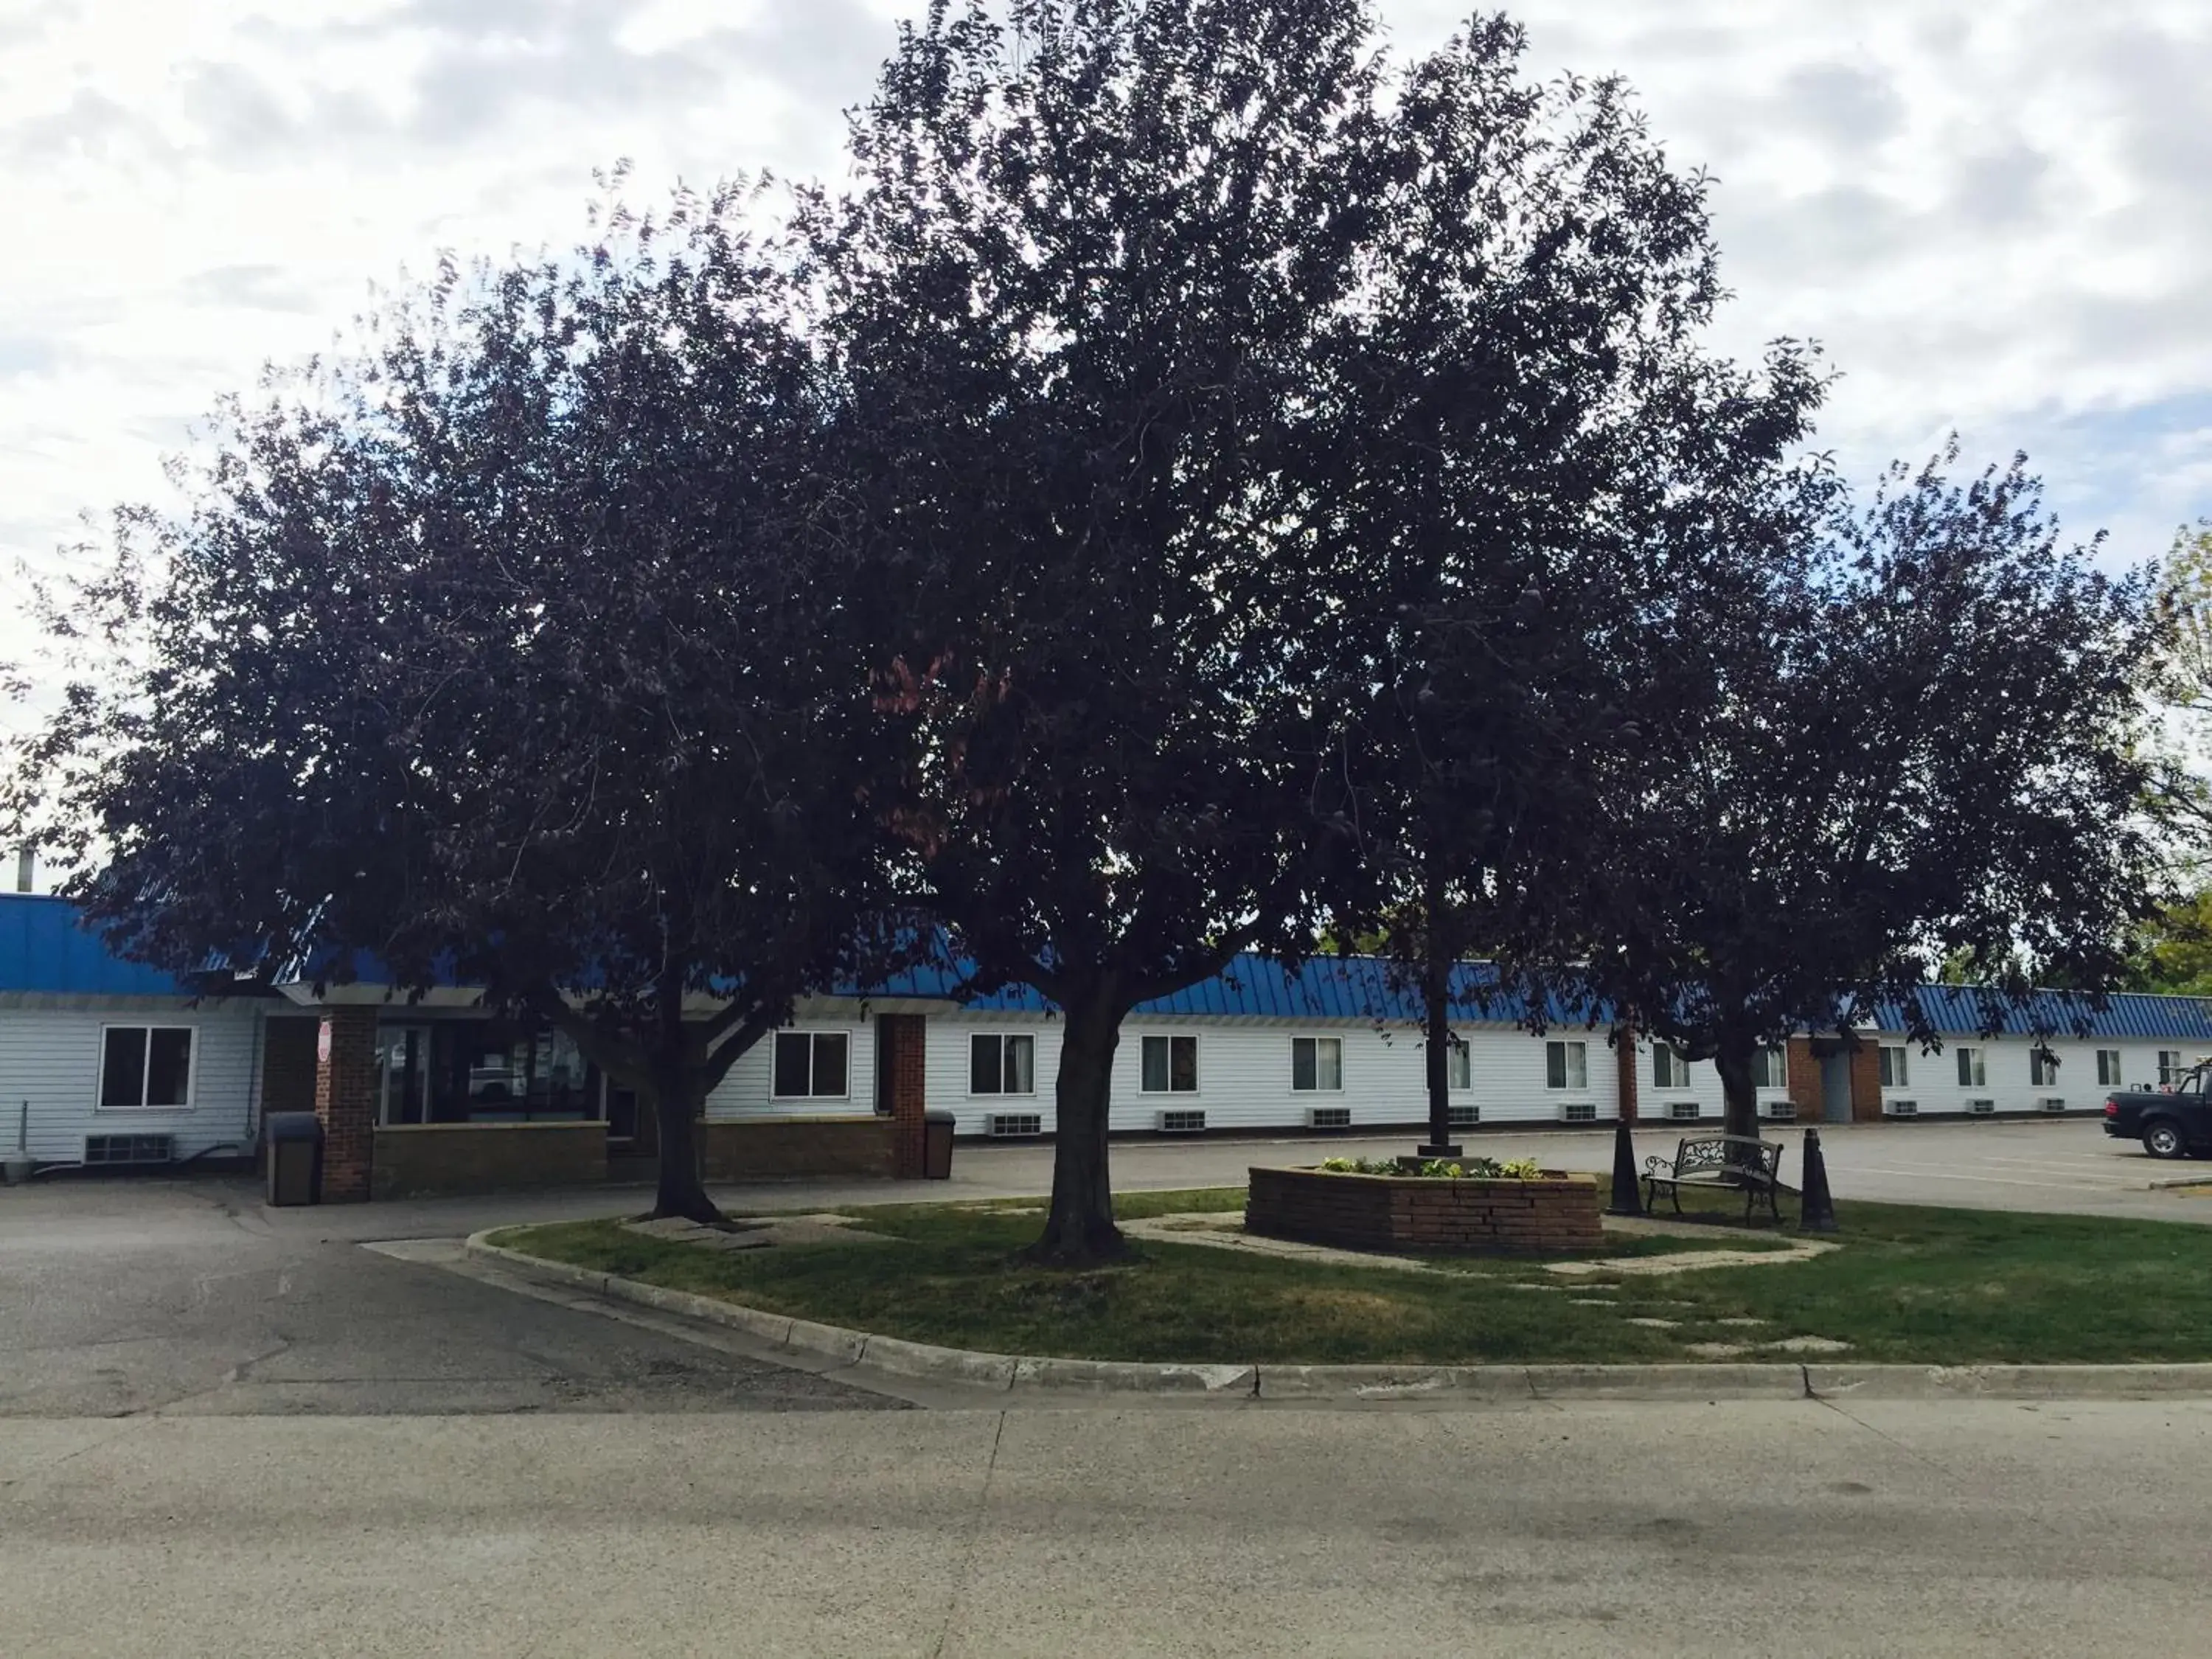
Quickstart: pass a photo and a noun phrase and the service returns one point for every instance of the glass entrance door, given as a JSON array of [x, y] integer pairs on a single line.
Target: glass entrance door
[[402, 1054]]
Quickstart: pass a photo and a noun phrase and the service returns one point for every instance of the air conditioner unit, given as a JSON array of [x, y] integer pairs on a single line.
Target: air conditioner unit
[[1900, 1108], [2051, 1103], [1183, 1120], [1012, 1126], [130, 1149], [1318, 1117], [1466, 1117], [1578, 1111], [1683, 1110], [1782, 1111], [1981, 1107]]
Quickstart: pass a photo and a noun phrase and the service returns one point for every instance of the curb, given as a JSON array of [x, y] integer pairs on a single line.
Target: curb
[[1468, 1384], [2171, 1183]]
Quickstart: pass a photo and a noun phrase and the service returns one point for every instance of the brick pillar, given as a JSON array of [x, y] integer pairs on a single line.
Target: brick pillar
[[904, 1038], [1625, 1058], [1866, 1083], [1804, 1080], [345, 1100]]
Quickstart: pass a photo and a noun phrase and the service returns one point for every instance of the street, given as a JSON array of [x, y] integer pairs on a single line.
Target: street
[[1751, 1529], [238, 1431]]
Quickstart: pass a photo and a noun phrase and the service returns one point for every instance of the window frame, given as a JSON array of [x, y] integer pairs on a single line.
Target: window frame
[[1317, 1087], [1897, 1074], [1973, 1058], [2170, 1071], [1002, 1038], [1571, 1051], [1144, 1039], [1459, 1066], [1773, 1059], [2042, 1068], [813, 1033], [2108, 1061], [1677, 1068], [146, 1069]]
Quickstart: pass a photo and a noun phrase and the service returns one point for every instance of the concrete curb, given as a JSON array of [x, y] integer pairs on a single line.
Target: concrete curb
[[2176, 1184], [1470, 1384]]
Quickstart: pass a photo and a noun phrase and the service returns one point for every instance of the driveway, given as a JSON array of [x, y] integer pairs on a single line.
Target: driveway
[[180, 1297]]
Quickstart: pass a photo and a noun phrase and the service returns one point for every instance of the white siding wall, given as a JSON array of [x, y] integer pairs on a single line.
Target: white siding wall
[[51, 1058], [747, 1089], [1703, 1087], [1244, 1073], [1932, 1080]]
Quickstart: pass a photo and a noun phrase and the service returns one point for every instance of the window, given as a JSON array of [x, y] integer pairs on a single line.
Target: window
[[1769, 1068], [1894, 1072], [2108, 1069], [1566, 1066], [812, 1064], [2169, 1068], [2042, 1068], [1973, 1068], [1001, 1065], [146, 1068], [1668, 1069], [1317, 1064], [1459, 1065], [1170, 1065]]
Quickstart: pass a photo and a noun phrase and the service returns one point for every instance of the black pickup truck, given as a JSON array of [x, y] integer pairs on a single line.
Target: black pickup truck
[[2172, 1122]]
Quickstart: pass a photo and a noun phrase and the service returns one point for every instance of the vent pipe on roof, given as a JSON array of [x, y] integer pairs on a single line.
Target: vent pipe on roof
[[26, 866]]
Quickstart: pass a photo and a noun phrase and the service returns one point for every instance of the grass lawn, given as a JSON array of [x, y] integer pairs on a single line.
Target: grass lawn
[[1940, 1287]]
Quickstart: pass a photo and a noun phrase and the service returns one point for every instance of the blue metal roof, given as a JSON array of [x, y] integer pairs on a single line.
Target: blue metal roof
[[1956, 1010], [1253, 988], [43, 950]]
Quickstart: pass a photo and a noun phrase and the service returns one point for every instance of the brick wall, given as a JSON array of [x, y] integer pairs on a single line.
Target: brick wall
[[345, 1100], [776, 1148], [1383, 1212], [904, 1039], [1866, 1084], [1805, 1081], [419, 1159]]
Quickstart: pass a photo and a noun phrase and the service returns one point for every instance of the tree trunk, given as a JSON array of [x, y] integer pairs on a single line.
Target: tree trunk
[[1435, 998], [677, 1104], [1078, 1229], [1733, 1062]]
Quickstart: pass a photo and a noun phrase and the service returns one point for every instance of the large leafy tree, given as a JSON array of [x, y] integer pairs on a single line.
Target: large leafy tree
[[1526, 426], [509, 649], [1919, 737], [1077, 296]]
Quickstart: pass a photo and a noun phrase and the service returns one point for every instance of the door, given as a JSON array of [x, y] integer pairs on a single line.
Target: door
[[402, 1054], [1835, 1089]]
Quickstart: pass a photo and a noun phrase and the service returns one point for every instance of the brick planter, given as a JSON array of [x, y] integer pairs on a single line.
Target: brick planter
[[1424, 1216]]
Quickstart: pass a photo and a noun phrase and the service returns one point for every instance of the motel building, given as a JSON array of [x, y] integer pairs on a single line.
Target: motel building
[[107, 1063]]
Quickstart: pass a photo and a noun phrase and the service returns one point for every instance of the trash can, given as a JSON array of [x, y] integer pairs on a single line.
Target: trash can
[[295, 1157], [936, 1145]]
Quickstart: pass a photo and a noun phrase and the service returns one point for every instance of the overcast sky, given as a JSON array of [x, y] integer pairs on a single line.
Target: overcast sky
[[1997, 217]]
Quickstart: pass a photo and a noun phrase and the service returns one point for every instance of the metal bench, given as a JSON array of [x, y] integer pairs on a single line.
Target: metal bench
[[1741, 1163]]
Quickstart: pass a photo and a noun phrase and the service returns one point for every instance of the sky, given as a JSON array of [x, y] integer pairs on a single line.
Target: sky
[[1996, 217]]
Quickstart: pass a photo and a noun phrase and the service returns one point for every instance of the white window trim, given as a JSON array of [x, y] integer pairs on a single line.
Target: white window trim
[[1337, 1037], [1900, 1050], [1568, 1087], [1001, 1037], [852, 1059], [1680, 1064], [2118, 1069], [191, 1071], [1456, 1048], [1780, 1053], [1980, 1051], [1197, 1059]]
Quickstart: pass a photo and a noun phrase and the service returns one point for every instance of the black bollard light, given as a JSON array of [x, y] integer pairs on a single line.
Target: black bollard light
[[1816, 1214], [1626, 1201]]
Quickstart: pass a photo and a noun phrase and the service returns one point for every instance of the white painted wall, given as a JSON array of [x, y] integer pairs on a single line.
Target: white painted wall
[[1702, 1089], [50, 1057], [746, 1091], [1932, 1079]]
